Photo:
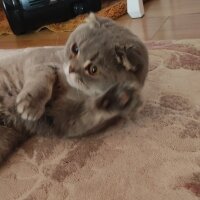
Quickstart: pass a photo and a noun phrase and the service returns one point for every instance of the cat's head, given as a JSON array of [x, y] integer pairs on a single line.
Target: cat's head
[[100, 53]]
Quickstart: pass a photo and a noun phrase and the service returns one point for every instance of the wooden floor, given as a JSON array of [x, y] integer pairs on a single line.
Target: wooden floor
[[164, 19]]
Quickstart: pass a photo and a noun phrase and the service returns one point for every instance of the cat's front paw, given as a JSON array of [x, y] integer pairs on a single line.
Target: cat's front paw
[[28, 107], [118, 98]]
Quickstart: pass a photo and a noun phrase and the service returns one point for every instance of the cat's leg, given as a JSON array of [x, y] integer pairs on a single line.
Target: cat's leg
[[9, 139], [94, 114], [37, 90]]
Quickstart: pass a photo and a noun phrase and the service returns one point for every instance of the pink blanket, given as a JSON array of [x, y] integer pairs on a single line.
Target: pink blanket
[[155, 156]]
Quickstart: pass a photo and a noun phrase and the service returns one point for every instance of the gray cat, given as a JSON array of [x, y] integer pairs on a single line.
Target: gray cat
[[73, 90]]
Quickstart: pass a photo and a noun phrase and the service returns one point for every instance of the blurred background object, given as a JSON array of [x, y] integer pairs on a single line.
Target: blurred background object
[[109, 8], [135, 8], [28, 15]]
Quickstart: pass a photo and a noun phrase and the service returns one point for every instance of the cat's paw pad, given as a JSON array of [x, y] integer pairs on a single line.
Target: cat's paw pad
[[117, 98], [28, 108]]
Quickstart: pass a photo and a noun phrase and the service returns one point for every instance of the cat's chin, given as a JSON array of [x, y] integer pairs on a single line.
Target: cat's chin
[[75, 82]]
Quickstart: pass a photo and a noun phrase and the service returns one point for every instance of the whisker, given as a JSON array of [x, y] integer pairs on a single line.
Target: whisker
[[77, 90], [148, 80]]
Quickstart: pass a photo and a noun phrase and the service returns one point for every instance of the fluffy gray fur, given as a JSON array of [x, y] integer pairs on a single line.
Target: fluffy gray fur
[[73, 90]]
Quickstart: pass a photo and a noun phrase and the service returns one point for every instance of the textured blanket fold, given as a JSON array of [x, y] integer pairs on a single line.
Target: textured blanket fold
[[153, 156]]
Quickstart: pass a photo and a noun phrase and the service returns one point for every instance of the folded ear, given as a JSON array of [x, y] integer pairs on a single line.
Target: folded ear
[[93, 21], [125, 57], [134, 59]]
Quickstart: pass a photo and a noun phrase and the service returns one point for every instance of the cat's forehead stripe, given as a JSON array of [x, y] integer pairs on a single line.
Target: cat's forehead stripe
[[95, 56], [88, 62]]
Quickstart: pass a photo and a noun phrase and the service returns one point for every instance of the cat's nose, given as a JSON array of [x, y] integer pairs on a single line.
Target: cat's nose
[[71, 69]]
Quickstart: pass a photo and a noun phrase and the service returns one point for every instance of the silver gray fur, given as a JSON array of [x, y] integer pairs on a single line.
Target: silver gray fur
[[54, 90]]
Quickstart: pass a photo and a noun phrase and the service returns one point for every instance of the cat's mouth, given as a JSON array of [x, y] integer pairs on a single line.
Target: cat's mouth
[[74, 79]]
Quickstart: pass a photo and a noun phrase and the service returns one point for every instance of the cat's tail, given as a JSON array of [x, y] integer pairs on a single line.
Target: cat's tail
[[9, 139]]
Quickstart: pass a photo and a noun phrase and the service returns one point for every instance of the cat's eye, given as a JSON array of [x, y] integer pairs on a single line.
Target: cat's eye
[[75, 49], [92, 69]]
